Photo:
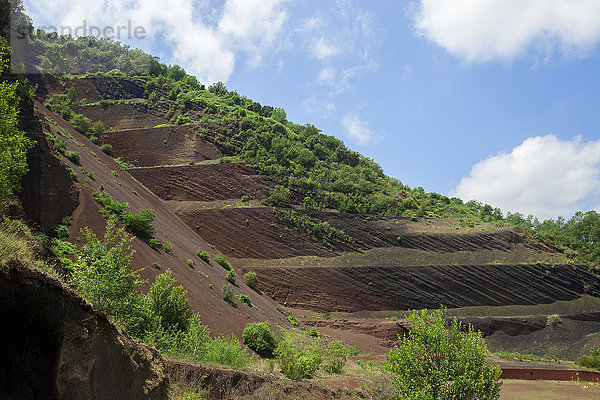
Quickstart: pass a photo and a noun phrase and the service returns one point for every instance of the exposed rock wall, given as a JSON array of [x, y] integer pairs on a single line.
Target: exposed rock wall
[[55, 346]]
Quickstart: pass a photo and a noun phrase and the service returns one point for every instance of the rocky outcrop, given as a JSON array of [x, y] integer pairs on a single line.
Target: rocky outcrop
[[55, 346], [48, 193]]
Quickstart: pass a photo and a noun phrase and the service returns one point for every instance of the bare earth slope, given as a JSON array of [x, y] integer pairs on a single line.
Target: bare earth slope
[[202, 280]]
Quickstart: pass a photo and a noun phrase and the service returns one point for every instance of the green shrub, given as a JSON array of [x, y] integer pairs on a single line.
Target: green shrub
[[155, 244], [203, 254], [245, 299], [279, 196], [153, 97], [293, 320], [98, 128], [59, 232], [73, 156], [168, 301], [223, 261], [335, 357], [437, 361], [591, 361], [107, 148], [553, 321], [259, 337], [227, 294], [298, 358], [251, 279], [60, 146], [313, 332], [230, 276], [139, 224], [81, 123], [73, 174]]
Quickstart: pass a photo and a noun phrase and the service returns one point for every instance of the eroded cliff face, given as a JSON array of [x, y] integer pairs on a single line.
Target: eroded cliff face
[[48, 193], [55, 346]]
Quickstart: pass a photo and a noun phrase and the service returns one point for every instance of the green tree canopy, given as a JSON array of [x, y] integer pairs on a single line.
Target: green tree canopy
[[440, 361], [13, 142]]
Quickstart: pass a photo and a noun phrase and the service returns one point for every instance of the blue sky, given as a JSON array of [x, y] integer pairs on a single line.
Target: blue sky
[[489, 99]]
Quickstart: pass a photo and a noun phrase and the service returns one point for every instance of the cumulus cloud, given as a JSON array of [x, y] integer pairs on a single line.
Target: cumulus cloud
[[484, 30], [543, 176], [204, 41], [357, 130]]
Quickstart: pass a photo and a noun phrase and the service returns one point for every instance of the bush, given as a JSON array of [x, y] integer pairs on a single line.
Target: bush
[[203, 254], [139, 224], [155, 244], [223, 261], [436, 361], [230, 276], [251, 279], [73, 156], [107, 148], [227, 294], [245, 299], [553, 321], [167, 246], [98, 128], [335, 357], [293, 320], [279, 196], [60, 232], [81, 123], [169, 303], [298, 358], [259, 337], [591, 361]]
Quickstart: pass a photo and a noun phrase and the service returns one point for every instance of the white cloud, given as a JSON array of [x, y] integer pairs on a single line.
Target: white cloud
[[543, 176], [326, 75], [484, 30], [205, 42], [322, 49], [357, 130]]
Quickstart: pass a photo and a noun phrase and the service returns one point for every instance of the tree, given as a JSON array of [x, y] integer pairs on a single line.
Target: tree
[[437, 360], [13, 142], [169, 303], [102, 271]]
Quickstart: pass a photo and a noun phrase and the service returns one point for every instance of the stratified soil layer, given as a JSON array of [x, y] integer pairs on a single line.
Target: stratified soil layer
[[121, 116], [204, 182], [399, 288], [171, 145]]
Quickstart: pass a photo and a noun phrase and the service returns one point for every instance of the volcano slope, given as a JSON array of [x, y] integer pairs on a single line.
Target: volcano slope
[[203, 280], [315, 262]]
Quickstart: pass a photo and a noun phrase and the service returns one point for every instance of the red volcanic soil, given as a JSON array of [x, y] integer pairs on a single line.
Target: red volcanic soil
[[160, 146], [353, 289], [252, 233], [121, 116], [204, 182], [202, 280]]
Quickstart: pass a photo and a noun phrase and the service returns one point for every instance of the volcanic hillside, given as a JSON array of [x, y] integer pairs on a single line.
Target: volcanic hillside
[[322, 226]]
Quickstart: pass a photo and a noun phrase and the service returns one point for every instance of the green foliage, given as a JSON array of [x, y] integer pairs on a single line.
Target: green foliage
[[259, 337], [440, 361], [292, 320], [73, 156], [139, 224], [313, 332], [167, 246], [153, 97], [73, 174], [553, 321], [155, 244], [123, 164], [251, 279], [168, 302], [279, 196], [227, 294], [222, 261], [298, 357], [245, 299], [102, 272], [230, 276], [59, 232], [591, 361], [107, 148], [81, 124], [13, 142], [336, 355], [203, 255], [315, 228]]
